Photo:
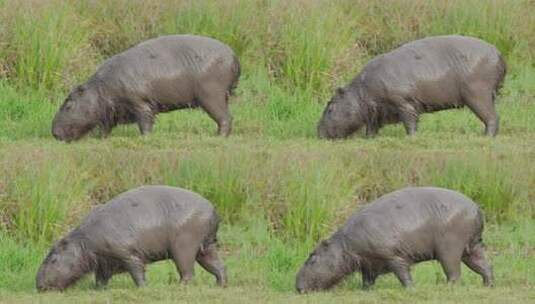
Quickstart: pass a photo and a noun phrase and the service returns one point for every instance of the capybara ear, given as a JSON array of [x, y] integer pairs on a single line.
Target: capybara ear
[[325, 243], [340, 91]]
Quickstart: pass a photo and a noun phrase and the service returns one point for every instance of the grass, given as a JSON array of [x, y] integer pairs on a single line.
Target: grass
[[277, 188], [269, 277], [277, 198]]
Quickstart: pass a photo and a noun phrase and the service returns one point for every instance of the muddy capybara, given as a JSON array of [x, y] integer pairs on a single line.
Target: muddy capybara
[[422, 76], [140, 226], [155, 76], [397, 230]]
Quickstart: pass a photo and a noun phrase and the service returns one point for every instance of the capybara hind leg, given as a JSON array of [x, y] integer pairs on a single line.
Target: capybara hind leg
[[451, 264], [476, 261], [209, 260], [479, 98], [449, 253], [214, 101], [145, 127], [184, 258], [410, 122]]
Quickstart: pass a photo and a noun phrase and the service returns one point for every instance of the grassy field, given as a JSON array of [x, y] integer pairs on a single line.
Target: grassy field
[[277, 187]]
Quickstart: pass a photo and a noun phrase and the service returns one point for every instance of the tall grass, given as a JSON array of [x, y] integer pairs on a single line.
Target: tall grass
[[307, 45], [493, 186], [47, 45], [294, 53], [276, 199], [302, 193], [37, 202]]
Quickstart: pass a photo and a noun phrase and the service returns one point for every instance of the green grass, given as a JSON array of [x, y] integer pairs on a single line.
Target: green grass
[[276, 186], [262, 269], [277, 198]]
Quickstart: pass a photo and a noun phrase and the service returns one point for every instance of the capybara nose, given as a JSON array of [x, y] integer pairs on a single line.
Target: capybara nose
[[56, 133], [40, 287], [322, 134]]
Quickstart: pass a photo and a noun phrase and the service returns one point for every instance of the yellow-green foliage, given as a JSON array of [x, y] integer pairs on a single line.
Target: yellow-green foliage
[[310, 45]]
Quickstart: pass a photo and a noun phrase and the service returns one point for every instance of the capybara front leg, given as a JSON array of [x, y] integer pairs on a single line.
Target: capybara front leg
[[368, 278], [102, 276], [402, 271], [136, 269], [214, 102], [143, 115], [479, 98], [209, 260], [371, 130], [105, 131], [476, 261]]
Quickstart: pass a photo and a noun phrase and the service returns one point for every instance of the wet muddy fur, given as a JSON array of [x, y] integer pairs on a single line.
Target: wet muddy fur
[[423, 76], [159, 75], [138, 227], [396, 231]]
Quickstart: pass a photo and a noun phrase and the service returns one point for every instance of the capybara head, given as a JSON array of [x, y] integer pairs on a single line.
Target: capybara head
[[325, 267], [78, 115], [342, 116], [62, 267]]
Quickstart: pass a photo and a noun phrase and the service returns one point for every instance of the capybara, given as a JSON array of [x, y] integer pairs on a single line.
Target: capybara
[[422, 76], [397, 230], [138, 227], [159, 75]]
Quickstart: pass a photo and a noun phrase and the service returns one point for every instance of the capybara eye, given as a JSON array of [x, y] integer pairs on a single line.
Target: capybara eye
[[330, 109]]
